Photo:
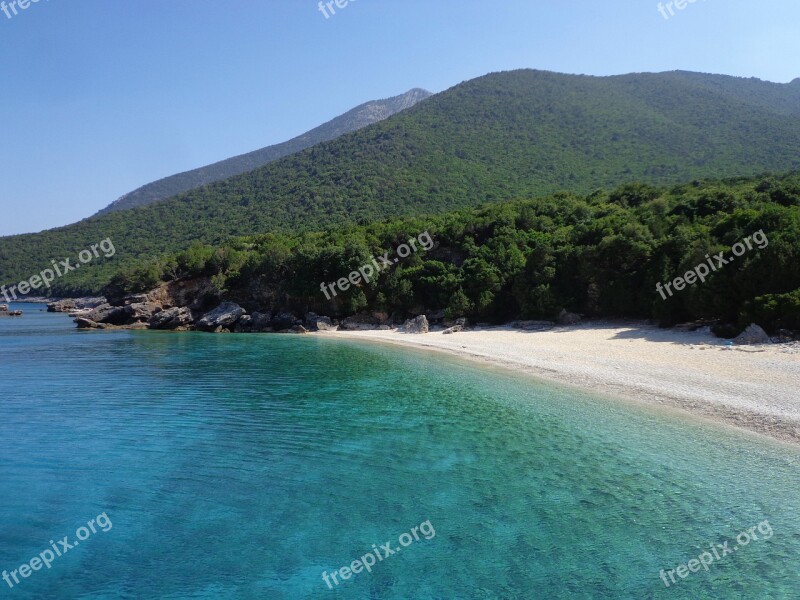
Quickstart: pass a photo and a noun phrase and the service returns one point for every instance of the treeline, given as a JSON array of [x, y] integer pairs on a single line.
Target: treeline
[[599, 255]]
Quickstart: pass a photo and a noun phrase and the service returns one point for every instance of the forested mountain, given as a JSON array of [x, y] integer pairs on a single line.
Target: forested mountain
[[519, 134], [353, 120]]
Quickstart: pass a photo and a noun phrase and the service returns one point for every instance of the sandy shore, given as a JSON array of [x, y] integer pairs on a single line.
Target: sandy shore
[[752, 387]]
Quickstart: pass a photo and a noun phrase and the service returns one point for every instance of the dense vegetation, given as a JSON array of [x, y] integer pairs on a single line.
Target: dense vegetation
[[601, 255], [509, 135], [352, 120]]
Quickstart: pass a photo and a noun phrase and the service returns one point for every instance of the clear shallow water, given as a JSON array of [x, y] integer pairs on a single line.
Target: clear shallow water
[[245, 466]]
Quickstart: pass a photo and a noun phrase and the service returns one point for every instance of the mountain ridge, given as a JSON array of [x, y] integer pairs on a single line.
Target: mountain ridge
[[356, 118]]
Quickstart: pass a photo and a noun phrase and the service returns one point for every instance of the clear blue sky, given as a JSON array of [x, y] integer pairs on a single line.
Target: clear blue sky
[[102, 96]]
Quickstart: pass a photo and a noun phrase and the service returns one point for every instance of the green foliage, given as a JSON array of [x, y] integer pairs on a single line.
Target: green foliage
[[508, 135], [597, 255], [774, 311]]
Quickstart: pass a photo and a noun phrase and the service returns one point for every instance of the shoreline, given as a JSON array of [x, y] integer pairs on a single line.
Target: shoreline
[[753, 388]]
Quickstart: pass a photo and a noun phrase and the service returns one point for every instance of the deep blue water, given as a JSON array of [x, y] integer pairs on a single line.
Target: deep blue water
[[246, 466]]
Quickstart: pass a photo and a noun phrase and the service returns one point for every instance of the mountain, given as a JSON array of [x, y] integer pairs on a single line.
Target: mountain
[[353, 120], [502, 136]]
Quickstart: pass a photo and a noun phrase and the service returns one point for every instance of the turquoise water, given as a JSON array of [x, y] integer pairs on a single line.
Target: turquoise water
[[245, 466]]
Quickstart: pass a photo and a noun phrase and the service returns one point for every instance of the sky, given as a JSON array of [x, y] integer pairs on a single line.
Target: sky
[[100, 97]]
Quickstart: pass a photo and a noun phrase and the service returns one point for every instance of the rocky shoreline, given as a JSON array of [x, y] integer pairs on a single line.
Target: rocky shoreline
[[195, 305]]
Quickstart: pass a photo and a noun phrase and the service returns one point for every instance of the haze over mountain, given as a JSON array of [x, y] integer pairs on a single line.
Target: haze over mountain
[[353, 120], [502, 136]]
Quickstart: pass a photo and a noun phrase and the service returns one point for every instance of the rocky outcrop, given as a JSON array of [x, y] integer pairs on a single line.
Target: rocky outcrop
[[222, 317], [172, 318], [361, 322], [111, 315], [197, 294], [417, 325], [285, 320], [74, 304], [315, 322], [753, 335], [453, 329], [261, 322]]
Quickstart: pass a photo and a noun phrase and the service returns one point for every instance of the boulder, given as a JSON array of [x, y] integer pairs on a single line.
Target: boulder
[[87, 324], [284, 320], [142, 312], [568, 318], [243, 325], [315, 322], [261, 322], [753, 335], [222, 317], [361, 322], [172, 318], [417, 325], [453, 329], [105, 313]]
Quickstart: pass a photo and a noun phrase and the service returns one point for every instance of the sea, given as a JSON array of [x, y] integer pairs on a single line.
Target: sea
[[145, 464]]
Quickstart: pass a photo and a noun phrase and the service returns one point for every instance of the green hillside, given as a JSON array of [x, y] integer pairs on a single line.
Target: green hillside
[[499, 137]]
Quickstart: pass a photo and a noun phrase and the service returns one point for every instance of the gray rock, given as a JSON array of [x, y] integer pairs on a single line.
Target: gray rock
[[140, 313], [172, 318], [285, 320], [261, 322], [222, 317], [135, 299], [753, 335], [453, 329], [244, 324], [70, 304], [86, 323], [315, 322], [362, 322], [568, 318], [105, 313], [417, 325]]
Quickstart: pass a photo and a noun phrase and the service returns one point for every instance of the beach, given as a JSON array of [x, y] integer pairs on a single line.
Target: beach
[[751, 387]]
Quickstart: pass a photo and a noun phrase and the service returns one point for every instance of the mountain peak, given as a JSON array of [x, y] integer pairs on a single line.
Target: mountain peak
[[353, 120]]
